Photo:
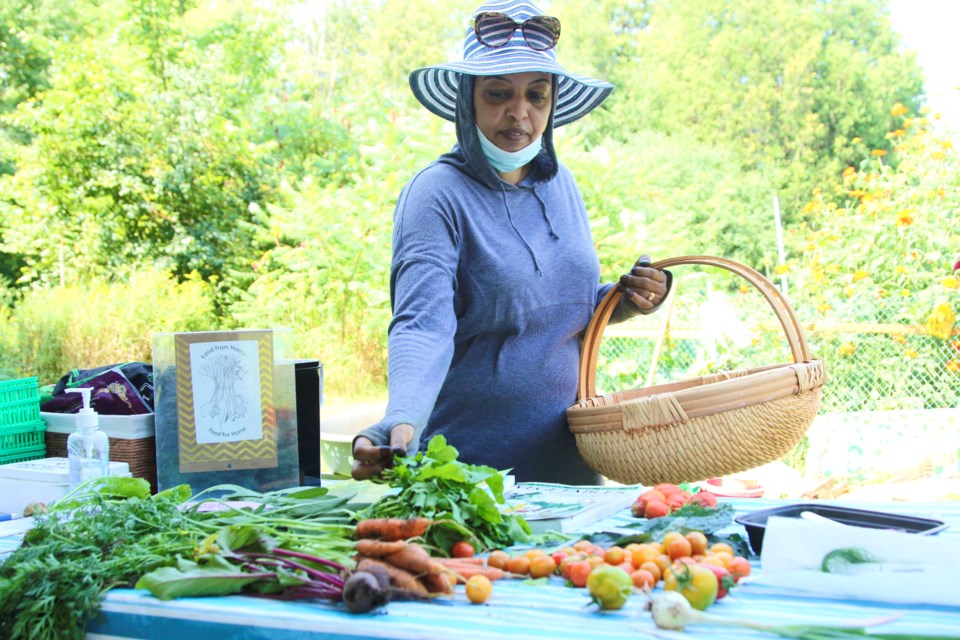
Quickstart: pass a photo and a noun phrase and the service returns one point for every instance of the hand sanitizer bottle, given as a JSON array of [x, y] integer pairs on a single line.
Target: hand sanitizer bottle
[[88, 449]]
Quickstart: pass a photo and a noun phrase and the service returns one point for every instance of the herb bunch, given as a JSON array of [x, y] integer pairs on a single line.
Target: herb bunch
[[109, 532], [461, 498]]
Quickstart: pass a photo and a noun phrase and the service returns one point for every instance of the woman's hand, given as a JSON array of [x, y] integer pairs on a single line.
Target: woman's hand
[[644, 286], [369, 459]]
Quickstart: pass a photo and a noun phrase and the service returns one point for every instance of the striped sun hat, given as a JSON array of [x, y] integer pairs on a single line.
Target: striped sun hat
[[436, 87]]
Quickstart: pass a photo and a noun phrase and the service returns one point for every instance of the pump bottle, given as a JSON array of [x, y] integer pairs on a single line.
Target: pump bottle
[[88, 449]]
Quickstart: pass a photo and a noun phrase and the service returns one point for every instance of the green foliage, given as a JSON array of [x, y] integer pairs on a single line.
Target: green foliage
[[882, 254], [638, 201], [255, 150], [785, 85], [100, 323]]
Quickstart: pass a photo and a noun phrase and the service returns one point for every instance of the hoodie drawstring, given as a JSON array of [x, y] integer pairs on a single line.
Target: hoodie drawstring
[[546, 216], [543, 207]]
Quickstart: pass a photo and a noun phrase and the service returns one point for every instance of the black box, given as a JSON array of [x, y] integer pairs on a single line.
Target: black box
[[756, 521], [309, 386]]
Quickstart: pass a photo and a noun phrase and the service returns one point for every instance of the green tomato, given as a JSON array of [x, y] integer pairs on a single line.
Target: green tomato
[[696, 583], [609, 586]]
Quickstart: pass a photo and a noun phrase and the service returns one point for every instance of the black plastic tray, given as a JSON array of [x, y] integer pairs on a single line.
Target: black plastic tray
[[756, 522]]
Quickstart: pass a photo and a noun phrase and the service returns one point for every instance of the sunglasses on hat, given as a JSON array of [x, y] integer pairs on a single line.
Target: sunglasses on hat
[[495, 29]]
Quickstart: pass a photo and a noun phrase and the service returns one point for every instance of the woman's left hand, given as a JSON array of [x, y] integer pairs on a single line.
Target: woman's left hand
[[644, 286]]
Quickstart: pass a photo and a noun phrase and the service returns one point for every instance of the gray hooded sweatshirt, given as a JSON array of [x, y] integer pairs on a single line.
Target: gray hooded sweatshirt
[[491, 286]]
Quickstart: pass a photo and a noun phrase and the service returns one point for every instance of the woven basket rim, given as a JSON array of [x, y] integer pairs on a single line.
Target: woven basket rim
[[703, 395]]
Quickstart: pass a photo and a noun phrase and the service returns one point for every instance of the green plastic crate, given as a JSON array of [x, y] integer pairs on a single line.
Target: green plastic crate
[[20, 389], [21, 429], [23, 442]]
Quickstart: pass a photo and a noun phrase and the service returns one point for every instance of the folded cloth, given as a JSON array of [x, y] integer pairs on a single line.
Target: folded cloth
[[117, 390], [902, 567]]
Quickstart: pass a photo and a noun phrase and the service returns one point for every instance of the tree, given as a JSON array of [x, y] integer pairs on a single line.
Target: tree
[[797, 89]]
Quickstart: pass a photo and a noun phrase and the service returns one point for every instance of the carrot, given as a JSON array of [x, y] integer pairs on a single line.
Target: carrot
[[392, 528], [379, 548], [439, 583], [415, 559], [400, 579], [458, 561], [466, 571]]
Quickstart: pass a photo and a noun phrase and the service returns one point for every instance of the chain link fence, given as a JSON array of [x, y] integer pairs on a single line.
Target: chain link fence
[[889, 374]]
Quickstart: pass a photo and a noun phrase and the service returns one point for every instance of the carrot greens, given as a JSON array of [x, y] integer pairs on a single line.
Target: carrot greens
[[462, 499], [110, 531]]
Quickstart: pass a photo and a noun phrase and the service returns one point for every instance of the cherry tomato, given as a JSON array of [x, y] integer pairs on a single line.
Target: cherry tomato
[[609, 587], [519, 565], [695, 582], [579, 572], [542, 566], [479, 589], [462, 549], [679, 548], [739, 567], [498, 559], [724, 579], [643, 579], [698, 542], [614, 555], [558, 557]]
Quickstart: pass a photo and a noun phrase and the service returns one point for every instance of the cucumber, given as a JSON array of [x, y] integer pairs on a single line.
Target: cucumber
[[846, 560]]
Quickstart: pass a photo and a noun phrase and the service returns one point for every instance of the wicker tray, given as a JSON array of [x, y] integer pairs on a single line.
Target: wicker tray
[[703, 427]]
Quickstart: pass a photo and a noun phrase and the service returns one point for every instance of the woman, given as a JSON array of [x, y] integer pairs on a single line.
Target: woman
[[494, 273]]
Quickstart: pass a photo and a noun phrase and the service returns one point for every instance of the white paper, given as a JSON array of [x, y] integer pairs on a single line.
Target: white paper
[[226, 391], [913, 568]]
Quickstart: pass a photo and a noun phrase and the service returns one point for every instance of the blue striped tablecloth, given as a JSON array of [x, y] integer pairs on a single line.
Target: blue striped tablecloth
[[516, 609]]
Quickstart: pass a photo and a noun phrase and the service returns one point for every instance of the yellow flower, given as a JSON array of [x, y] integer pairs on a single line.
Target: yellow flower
[[744, 288], [781, 269], [859, 274], [953, 366], [857, 193], [899, 133], [849, 290], [899, 339], [898, 110], [824, 307], [849, 171], [878, 152], [950, 282], [856, 140], [905, 293], [847, 349], [941, 321], [901, 270], [905, 217], [910, 353]]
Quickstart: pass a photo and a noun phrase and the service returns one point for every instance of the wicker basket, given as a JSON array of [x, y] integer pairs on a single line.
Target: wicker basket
[[703, 427]]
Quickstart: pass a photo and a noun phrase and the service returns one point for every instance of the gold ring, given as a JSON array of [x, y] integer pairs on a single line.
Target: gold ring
[[651, 296]]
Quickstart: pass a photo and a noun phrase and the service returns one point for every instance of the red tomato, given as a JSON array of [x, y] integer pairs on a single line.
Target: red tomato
[[705, 498], [558, 557], [462, 549], [656, 509], [579, 572], [667, 488]]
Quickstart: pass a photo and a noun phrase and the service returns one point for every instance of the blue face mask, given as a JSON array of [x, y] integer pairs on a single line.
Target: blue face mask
[[506, 161]]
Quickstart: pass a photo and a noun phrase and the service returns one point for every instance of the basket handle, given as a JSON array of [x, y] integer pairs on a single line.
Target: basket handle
[[587, 386]]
